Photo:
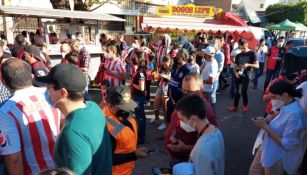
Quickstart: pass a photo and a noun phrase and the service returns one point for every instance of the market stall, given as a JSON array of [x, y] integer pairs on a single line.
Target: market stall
[[189, 20], [290, 29]]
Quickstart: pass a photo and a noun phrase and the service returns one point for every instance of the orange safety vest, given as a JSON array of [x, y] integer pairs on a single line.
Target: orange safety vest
[[126, 141]]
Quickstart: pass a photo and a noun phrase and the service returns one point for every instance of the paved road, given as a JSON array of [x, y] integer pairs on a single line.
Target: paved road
[[237, 128]]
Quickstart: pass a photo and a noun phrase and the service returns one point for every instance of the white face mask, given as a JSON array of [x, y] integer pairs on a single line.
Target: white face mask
[[277, 104], [187, 127]]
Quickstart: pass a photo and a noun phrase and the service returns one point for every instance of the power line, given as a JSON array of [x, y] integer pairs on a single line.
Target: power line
[[278, 11]]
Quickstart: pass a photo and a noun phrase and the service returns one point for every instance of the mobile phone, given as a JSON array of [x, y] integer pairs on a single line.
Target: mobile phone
[[152, 151]]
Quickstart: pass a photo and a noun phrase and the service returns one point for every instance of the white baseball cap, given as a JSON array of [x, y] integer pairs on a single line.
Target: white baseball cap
[[209, 50]]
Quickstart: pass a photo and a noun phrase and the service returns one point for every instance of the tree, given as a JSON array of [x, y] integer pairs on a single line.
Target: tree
[[82, 5], [294, 12]]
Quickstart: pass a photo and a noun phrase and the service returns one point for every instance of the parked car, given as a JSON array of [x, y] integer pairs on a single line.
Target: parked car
[[296, 41]]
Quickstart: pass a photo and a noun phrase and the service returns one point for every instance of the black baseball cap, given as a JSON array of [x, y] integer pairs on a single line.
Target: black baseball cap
[[121, 98], [66, 76], [35, 51]]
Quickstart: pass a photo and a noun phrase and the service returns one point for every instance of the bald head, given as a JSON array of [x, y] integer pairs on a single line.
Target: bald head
[[65, 48], [16, 74], [192, 82]]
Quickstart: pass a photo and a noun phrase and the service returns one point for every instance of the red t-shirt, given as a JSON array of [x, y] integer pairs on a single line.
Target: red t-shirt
[[273, 58], [187, 138]]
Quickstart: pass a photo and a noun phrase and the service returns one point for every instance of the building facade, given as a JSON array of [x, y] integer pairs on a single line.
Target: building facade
[[224, 4]]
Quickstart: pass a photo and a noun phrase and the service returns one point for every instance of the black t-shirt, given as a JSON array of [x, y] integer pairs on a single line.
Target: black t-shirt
[[140, 74], [245, 58]]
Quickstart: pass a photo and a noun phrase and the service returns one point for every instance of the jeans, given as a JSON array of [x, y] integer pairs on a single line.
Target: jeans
[[241, 88], [211, 96], [270, 75], [233, 82], [258, 73], [140, 116]]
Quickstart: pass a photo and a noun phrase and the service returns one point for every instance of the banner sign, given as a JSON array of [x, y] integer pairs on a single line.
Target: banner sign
[[188, 10]]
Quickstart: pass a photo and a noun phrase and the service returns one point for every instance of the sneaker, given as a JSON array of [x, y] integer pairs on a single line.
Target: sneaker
[[153, 120], [245, 109], [232, 108], [162, 126]]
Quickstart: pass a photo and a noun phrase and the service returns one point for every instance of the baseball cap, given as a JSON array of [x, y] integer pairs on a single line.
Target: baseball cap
[[209, 50], [121, 98], [35, 51], [66, 76]]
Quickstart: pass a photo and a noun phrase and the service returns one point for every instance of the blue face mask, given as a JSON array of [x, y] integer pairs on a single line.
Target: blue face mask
[[48, 95]]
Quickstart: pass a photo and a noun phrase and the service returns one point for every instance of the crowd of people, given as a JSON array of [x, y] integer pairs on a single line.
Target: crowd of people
[[48, 125]]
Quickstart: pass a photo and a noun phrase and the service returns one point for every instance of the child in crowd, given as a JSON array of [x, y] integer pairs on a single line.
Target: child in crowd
[[161, 93]]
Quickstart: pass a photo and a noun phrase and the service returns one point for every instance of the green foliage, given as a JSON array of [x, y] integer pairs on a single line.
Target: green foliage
[[294, 12]]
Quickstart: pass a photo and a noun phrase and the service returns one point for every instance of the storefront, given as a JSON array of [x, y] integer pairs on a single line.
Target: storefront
[[191, 19]]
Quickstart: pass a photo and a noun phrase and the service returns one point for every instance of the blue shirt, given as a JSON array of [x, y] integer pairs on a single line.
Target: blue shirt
[[208, 154], [220, 58], [177, 75], [287, 125]]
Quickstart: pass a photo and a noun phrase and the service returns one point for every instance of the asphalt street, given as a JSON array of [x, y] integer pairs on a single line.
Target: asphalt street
[[237, 128]]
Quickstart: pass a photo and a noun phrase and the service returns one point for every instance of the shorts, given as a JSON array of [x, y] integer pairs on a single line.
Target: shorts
[[162, 91]]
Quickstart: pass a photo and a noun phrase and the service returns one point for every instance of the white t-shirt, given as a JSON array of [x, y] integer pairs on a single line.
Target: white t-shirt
[[194, 68], [208, 154], [303, 99], [261, 53], [210, 70]]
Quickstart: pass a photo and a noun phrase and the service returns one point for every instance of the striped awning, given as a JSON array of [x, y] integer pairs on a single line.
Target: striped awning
[[188, 23]]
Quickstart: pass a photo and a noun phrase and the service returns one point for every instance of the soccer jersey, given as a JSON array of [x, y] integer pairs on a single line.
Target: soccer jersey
[[174, 88], [30, 125], [116, 66]]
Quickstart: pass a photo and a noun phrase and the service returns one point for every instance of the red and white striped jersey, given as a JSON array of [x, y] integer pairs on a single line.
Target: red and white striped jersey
[[161, 52], [117, 67], [30, 125]]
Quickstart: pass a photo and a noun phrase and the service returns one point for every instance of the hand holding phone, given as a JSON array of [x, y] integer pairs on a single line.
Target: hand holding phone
[[152, 151]]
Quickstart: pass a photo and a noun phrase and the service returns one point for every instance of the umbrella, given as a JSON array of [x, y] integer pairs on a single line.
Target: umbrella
[[285, 25], [295, 59]]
